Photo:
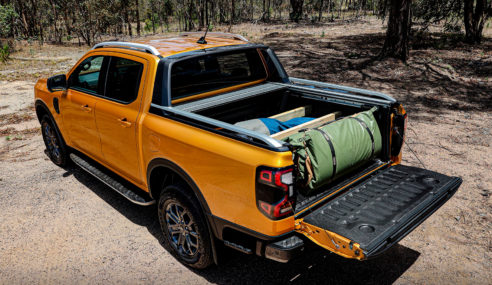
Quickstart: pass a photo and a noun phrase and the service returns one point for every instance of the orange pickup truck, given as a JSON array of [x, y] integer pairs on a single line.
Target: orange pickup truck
[[156, 121]]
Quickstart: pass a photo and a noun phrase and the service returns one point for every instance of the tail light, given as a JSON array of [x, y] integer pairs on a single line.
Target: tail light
[[275, 191]]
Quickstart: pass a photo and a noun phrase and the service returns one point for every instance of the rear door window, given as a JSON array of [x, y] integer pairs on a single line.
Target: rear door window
[[215, 71], [123, 79]]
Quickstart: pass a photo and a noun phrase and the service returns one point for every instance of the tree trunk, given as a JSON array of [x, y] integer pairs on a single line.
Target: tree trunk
[[128, 23], [264, 11], [137, 16], [330, 11], [474, 18], [397, 34], [296, 13], [232, 16], [201, 14], [58, 32], [190, 24], [206, 15], [67, 22], [222, 18], [251, 10], [320, 15]]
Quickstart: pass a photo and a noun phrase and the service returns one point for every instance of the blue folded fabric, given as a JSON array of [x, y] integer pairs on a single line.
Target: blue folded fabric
[[275, 126]]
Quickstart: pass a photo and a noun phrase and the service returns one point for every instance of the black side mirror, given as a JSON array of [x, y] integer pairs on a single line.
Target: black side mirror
[[57, 83]]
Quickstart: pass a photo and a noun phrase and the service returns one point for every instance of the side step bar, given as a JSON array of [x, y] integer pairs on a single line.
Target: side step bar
[[122, 187]]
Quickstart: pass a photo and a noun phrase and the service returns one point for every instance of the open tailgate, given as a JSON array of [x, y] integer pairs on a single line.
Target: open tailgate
[[370, 217]]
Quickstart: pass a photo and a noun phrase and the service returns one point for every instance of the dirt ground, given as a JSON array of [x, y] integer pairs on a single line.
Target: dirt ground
[[62, 226]]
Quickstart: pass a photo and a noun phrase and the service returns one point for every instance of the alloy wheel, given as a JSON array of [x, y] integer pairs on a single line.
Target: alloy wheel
[[182, 230]]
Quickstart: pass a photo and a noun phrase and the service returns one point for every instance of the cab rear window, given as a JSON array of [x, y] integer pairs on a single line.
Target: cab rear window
[[215, 71]]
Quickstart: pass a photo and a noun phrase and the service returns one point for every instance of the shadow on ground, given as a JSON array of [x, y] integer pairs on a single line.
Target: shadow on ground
[[442, 72], [315, 265]]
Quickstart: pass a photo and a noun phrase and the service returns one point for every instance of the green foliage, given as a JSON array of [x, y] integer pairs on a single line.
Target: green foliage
[[8, 18], [434, 11], [149, 25], [91, 20], [4, 53]]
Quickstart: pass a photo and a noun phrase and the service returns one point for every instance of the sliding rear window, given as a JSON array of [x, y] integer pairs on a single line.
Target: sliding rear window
[[215, 71]]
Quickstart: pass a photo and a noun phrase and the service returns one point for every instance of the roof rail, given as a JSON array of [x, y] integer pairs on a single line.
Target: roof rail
[[144, 47], [217, 35]]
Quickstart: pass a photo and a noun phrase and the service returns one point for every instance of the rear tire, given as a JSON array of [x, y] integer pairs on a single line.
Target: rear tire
[[55, 146], [184, 228]]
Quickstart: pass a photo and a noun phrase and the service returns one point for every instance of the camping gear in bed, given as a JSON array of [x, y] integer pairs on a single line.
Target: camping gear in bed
[[323, 154], [269, 126]]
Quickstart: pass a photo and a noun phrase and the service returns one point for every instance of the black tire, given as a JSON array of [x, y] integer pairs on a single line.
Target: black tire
[[55, 145], [186, 235]]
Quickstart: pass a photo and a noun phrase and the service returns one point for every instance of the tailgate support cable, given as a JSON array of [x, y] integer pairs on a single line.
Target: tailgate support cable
[[413, 152]]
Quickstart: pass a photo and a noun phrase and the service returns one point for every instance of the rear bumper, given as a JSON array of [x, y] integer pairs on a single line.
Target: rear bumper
[[418, 215], [284, 250]]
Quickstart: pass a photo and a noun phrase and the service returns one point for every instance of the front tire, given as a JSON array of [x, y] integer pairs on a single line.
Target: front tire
[[55, 146], [184, 228]]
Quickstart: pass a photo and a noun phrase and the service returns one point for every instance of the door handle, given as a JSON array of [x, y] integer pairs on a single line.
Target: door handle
[[124, 122], [86, 108]]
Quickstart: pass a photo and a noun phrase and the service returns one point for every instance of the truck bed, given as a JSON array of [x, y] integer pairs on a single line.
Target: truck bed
[[270, 99]]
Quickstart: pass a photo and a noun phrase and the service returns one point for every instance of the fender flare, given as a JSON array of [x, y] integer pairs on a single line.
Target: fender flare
[[161, 162], [40, 103]]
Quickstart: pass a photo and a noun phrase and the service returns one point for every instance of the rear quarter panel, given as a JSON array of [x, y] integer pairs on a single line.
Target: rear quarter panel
[[222, 168]]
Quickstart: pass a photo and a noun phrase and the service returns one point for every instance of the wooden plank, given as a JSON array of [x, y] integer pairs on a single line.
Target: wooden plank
[[291, 114], [311, 124]]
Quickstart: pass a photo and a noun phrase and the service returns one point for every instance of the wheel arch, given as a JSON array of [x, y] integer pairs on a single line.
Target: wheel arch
[[160, 169], [42, 109]]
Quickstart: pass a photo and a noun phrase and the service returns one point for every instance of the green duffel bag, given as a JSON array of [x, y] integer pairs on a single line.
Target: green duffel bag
[[325, 153]]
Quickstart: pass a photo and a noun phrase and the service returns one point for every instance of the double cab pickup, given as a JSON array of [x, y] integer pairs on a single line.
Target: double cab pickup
[[156, 120]]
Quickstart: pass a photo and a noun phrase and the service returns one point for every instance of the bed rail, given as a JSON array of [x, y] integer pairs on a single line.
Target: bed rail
[[338, 88], [268, 141]]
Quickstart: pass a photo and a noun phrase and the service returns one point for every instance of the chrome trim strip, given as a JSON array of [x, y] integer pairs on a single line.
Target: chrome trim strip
[[264, 138], [147, 48], [341, 87]]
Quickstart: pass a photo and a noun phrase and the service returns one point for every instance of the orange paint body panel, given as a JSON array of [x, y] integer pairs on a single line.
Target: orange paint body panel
[[223, 168]]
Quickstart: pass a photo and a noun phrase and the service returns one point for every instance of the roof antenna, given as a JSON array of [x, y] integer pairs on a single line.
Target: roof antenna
[[202, 39]]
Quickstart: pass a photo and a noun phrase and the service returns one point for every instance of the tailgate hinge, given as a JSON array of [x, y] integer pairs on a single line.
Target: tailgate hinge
[[330, 240]]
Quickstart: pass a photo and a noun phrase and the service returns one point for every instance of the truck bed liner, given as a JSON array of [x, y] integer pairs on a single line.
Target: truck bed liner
[[386, 207]]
